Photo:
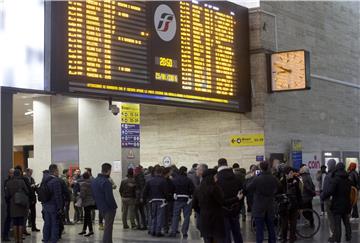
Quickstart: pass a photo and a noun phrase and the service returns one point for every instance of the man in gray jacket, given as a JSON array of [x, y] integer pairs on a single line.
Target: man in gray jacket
[[331, 168]]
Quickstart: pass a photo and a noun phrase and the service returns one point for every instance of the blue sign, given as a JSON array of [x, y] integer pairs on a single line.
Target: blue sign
[[296, 159], [259, 158], [130, 135]]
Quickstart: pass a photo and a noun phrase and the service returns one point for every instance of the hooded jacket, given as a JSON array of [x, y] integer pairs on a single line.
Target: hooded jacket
[[339, 189]]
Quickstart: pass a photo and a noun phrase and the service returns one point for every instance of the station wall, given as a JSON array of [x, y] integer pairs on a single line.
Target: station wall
[[327, 117]]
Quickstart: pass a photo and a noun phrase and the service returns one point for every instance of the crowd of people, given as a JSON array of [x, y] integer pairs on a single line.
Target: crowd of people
[[159, 199]]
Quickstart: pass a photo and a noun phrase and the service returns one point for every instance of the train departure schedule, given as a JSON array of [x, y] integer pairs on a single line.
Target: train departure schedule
[[185, 53]]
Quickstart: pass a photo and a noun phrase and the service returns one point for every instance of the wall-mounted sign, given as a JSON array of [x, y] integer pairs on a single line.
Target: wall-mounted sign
[[186, 53], [259, 158], [290, 70], [296, 153], [247, 140], [130, 113]]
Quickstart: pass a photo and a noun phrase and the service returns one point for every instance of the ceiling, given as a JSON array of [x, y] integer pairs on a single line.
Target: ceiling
[[23, 103]]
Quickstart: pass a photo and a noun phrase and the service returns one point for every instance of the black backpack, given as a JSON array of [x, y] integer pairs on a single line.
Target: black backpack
[[44, 192]]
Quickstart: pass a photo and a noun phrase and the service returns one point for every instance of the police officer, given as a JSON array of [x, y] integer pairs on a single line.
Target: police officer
[[184, 188], [155, 194]]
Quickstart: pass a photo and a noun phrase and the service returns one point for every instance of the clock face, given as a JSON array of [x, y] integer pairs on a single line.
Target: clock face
[[288, 70]]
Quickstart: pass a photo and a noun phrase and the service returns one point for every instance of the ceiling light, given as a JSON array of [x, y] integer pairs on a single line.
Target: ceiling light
[[26, 104], [28, 113]]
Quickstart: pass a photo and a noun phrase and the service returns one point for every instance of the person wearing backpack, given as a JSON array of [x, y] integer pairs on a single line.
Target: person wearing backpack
[[354, 178], [17, 192], [308, 193], [51, 197]]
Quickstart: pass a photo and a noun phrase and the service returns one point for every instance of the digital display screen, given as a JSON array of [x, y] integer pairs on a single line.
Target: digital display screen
[[192, 54]]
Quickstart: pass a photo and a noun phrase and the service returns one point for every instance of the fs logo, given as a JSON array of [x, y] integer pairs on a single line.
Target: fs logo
[[165, 22]]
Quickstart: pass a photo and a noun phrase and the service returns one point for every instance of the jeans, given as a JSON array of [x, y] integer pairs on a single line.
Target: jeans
[[259, 223], [157, 217], [186, 209], [109, 217], [51, 226], [197, 220], [232, 227], [7, 223], [128, 204], [66, 211], [101, 217], [32, 217], [168, 213], [289, 217], [337, 232], [88, 219], [78, 213]]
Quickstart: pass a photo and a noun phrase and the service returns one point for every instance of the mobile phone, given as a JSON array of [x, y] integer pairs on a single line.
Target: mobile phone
[[257, 172]]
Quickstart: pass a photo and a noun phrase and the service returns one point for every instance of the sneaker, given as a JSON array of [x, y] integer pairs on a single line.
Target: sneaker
[[101, 227], [185, 236], [126, 226]]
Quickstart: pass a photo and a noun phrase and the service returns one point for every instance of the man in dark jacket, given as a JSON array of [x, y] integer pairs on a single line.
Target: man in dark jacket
[[139, 204], [308, 193], [231, 186], [7, 223], [155, 194], [32, 217], [128, 196], [339, 189], [103, 194], [53, 208], [264, 186], [240, 173], [192, 175], [184, 189], [169, 198], [327, 203], [290, 186]]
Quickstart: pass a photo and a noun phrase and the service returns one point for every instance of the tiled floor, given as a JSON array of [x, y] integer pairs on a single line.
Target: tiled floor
[[132, 236]]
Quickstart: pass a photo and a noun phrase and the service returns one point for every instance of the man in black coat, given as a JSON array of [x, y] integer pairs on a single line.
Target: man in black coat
[[339, 189], [264, 186], [231, 185]]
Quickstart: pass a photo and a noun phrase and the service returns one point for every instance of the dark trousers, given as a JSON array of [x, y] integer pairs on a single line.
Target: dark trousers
[[213, 240], [355, 212], [101, 218], [109, 217], [66, 211], [308, 215], [288, 222], [232, 227], [88, 219], [337, 232], [51, 227], [78, 213], [186, 209], [7, 223], [157, 217], [168, 213], [32, 217], [259, 223], [140, 215]]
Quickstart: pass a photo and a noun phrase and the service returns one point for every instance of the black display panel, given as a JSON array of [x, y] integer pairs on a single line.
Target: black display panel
[[187, 53]]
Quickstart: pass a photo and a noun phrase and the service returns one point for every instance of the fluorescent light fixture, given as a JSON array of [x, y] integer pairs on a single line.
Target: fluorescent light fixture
[[328, 154], [216, 8], [194, 1], [26, 104], [29, 113], [232, 13]]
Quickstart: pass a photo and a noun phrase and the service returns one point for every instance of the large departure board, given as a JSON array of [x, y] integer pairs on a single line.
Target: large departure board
[[185, 53]]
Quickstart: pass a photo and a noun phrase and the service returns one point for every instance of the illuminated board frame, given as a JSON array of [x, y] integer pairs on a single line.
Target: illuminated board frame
[[58, 80], [307, 78]]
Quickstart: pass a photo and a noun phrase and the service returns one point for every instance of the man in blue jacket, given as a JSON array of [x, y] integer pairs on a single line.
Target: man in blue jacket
[[103, 194], [53, 208], [184, 189], [155, 193]]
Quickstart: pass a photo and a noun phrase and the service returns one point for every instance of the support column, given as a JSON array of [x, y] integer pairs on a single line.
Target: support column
[[6, 142]]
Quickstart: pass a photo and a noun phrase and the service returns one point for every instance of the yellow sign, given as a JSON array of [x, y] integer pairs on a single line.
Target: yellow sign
[[130, 113], [247, 140]]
